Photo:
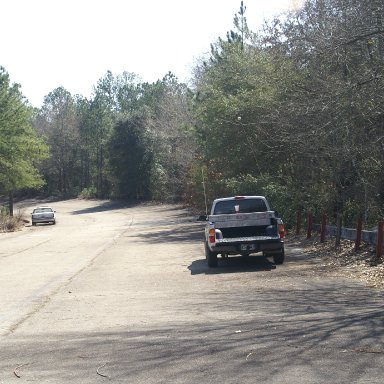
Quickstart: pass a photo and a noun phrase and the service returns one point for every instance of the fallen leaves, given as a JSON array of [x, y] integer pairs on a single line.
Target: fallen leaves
[[344, 260]]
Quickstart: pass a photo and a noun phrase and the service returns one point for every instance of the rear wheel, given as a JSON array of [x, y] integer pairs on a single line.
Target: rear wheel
[[211, 257], [279, 257]]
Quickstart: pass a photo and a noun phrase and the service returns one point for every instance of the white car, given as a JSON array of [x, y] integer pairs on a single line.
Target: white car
[[43, 215]]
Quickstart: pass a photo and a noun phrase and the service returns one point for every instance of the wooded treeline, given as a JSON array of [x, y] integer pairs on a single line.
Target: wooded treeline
[[130, 140], [293, 111]]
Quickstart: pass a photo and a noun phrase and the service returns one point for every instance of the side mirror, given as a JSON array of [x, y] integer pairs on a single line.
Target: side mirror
[[202, 218], [276, 213]]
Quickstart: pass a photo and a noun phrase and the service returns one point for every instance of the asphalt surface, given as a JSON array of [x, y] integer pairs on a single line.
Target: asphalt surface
[[122, 294]]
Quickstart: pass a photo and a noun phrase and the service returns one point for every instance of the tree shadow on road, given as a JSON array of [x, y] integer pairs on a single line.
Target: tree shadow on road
[[105, 206], [181, 229], [321, 334]]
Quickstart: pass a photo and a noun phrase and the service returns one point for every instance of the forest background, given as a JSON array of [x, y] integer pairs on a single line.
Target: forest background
[[294, 111]]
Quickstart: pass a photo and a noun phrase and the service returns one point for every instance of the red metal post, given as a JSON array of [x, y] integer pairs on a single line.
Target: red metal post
[[323, 227], [309, 225], [298, 222], [380, 237], [359, 229]]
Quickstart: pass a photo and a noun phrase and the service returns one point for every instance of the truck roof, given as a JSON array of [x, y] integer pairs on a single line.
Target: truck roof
[[239, 198], [239, 204]]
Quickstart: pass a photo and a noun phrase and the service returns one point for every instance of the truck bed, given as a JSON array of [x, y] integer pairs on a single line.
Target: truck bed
[[250, 231]]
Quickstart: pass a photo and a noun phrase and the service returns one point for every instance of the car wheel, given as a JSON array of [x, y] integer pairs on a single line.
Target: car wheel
[[279, 258], [33, 224], [211, 257]]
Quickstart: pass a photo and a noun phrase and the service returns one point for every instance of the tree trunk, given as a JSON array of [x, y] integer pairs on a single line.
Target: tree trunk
[[11, 203], [338, 230]]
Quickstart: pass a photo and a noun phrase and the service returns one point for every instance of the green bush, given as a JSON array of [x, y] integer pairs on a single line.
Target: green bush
[[88, 193]]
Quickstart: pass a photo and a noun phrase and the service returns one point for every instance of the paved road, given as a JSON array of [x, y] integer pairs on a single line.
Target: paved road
[[123, 295]]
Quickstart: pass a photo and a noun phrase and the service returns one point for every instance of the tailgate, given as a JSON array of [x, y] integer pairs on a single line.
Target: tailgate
[[250, 239], [242, 219]]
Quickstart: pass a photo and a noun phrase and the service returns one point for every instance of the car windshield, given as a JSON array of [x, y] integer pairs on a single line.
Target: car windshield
[[42, 210], [239, 206]]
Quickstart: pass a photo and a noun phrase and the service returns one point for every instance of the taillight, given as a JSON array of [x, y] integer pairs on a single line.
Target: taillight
[[211, 235], [281, 231]]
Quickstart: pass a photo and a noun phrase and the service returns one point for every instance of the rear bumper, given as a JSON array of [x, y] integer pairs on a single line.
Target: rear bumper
[[244, 246], [45, 220]]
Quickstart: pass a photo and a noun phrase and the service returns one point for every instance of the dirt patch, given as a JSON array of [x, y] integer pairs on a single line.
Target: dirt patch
[[343, 260]]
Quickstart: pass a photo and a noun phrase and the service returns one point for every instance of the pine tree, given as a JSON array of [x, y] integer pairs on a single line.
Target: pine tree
[[20, 150]]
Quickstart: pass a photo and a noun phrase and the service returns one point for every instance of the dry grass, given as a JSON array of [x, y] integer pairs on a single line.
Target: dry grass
[[11, 223], [344, 260]]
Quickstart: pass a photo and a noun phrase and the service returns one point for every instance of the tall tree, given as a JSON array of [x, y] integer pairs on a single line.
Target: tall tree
[[238, 90], [171, 125], [102, 117], [20, 149], [58, 122], [131, 158], [335, 104]]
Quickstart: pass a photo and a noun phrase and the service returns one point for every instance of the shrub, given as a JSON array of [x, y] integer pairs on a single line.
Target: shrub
[[88, 193], [10, 223]]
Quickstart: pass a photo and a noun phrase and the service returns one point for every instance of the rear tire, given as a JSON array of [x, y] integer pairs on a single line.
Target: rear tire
[[278, 259], [211, 257]]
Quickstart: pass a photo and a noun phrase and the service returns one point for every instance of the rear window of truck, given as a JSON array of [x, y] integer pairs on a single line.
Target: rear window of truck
[[239, 206]]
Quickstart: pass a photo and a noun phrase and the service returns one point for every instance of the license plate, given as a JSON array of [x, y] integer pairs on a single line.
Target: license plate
[[247, 247]]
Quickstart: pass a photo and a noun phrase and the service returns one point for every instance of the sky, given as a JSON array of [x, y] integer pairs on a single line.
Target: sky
[[46, 44]]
